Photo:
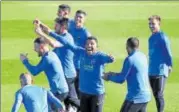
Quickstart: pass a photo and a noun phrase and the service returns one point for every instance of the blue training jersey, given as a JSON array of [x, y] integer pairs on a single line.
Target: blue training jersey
[[160, 56], [71, 24], [91, 67], [135, 72], [35, 99], [66, 56], [51, 65], [80, 36]]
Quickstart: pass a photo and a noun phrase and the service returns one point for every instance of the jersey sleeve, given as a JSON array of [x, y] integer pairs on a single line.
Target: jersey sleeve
[[166, 49], [121, 77], [87, 34], [17, 103], [104, 58], [35, 69], [65, 42]]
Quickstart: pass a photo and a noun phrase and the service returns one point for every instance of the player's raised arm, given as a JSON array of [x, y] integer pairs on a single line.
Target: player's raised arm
[[41, 48], [62, 40], [17, 103], [57, 37], [106, 58], [39, 26], [35, 70]]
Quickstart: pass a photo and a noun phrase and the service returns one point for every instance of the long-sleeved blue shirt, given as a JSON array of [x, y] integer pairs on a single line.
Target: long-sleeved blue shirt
[[71, 24], [35, 99], [91, 67], [66, 56], [80, 36], [135, 72], [160, 56], [51, 65]]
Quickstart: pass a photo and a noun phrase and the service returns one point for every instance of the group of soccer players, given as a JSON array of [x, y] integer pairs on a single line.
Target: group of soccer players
[[75, 68]]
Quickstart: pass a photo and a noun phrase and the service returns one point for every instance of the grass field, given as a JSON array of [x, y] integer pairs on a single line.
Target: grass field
[[111, 22]]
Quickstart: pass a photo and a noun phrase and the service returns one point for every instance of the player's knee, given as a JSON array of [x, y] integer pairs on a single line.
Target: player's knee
[[158, 94]]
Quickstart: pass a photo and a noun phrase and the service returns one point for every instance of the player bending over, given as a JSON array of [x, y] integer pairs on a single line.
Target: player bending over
[[34, 98]]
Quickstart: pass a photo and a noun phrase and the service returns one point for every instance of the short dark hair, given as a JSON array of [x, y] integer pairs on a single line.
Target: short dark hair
[[133, 42], [81, 12], [157, 17], [64, 7], [93, 38], [40, 40], [62, 21]]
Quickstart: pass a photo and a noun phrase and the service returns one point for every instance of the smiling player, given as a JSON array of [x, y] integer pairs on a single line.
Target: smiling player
[[92, 63]]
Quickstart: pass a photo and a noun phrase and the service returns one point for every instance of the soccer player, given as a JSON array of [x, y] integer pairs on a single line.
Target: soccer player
[[160, 60], [66, 57], [64, 12], [135, 72], [92, 63], [80, 35], [34, 98], [51, 65]]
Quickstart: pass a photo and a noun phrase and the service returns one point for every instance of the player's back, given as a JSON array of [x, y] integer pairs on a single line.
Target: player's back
[[66, 57], [137, 80], [34, 98], [55, 73]]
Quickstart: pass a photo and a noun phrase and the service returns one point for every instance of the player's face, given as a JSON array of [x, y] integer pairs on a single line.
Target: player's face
[[128, 49], [154, 25], [22, 82], [79, 19], [91, 47], [63, 13], [37, 48], [57, 28]]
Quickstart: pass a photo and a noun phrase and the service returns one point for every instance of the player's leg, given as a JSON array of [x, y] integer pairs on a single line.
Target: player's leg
[[137, 107], [158, 89], [72, 99], [125, 106], [85, 102], [129, 106], [143, 107], [97, 103], [134, 107], [158, 94], [77, 82], [61, 97]]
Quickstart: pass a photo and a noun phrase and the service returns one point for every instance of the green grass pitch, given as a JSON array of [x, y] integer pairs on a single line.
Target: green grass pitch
[[112, 22]]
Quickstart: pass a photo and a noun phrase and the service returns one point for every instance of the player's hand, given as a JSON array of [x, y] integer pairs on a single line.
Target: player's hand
[[112, 57], [36, 22], [23, 56], [43, 27], [169, 69], [38, 30]]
